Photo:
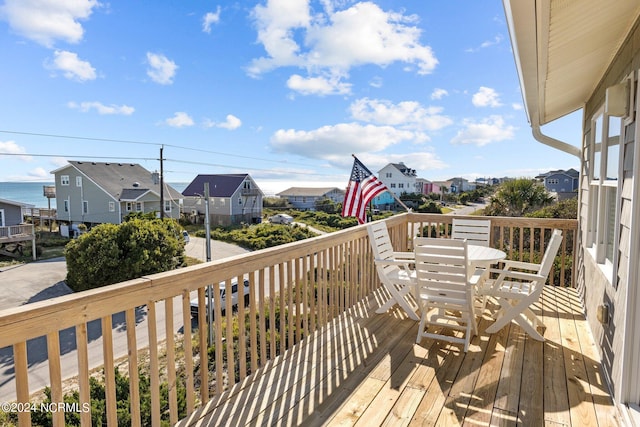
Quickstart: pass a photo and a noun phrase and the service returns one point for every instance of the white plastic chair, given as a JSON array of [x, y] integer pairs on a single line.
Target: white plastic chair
[[444, 286], [475, 231], [393, 269], [517, 296]]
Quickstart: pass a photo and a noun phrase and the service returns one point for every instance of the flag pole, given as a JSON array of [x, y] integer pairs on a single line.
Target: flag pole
[[407, 208]]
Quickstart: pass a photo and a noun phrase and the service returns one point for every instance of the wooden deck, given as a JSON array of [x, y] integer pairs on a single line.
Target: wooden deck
[[365, 369]]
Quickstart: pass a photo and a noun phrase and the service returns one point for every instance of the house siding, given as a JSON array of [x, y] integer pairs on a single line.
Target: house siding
[[12, 214], [593, 281], [98, 200]]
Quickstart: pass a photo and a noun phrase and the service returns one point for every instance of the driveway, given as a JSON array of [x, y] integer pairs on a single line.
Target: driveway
[[35, 281]]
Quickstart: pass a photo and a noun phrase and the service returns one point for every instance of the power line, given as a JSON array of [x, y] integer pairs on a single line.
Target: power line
[[158, 144], [75, 156]]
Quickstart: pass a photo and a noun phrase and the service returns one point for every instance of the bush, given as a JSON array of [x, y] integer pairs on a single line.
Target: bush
[[114, 253]]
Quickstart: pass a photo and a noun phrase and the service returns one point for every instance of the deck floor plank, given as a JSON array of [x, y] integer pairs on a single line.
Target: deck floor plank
[[366, 369]]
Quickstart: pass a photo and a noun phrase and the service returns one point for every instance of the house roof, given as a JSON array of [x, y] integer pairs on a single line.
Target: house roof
[[308, 191], [563, 48], [221, 185], [570, 172], [12, 202], [121, 180], [404, 169]]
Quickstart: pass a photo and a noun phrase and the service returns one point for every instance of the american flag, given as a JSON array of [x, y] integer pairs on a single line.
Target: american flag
[[363, 186]]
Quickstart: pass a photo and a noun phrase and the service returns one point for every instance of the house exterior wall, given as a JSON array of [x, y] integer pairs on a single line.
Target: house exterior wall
[[396, 181], [560, 183], [613, 284], [98, 200], [12, 214]]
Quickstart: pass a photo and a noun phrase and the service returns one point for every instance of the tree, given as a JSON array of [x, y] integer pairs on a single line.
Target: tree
[[114, 253], [518, 198]]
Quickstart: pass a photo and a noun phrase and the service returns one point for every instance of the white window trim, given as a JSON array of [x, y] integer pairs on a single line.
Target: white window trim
[[64, 180], [112, 206], [78, 181], [85, 206], [599, 191]]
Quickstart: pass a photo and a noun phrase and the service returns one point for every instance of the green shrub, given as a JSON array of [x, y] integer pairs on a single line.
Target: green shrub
[[114, 253]]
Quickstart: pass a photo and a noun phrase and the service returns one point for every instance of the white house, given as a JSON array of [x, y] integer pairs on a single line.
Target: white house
[[398, 178], [585, 55]]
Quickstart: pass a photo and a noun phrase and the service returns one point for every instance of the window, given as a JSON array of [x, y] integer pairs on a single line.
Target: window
[[78, 181], [64, 179], [85, 207], [167, 205], [66, 206], [112, 206], [393, 185], [388, 175], [139, 207], [129, 207], [603, 166], [240, 200]]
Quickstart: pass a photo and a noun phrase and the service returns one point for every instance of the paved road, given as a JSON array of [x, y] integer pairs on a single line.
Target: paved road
[[468, 210], [43, 280]]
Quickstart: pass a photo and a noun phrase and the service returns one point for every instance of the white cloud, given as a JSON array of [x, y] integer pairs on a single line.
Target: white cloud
[[517, 106], [162, 70], [336, 143], [488, 43], [335, 41], [85, 107], [179, 119], [439, 93], [486, 97], [209, 19], [421, 161], [318, 85], [488, 130], [231, 123], [45, 21], [407, 114], [10, 147], [72, 67]]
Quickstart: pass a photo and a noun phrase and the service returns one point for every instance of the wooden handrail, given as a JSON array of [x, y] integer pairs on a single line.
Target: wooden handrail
[[295, 289]]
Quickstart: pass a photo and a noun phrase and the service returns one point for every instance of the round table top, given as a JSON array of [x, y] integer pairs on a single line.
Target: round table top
[[484, 254]]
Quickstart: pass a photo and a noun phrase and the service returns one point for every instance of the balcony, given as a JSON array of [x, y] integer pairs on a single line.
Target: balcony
[[311, 349]]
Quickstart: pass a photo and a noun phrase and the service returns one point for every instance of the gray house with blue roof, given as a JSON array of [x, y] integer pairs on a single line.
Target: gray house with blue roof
[[233, 199]]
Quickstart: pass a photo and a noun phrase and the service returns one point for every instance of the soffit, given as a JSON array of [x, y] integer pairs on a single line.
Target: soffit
[[563, 48]]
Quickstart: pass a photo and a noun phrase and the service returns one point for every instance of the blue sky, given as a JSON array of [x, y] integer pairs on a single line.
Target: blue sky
[[285, 90]]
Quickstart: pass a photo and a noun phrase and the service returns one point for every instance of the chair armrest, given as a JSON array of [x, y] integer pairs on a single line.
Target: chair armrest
[[402, 263], [515, 275], [521, 265], [405, 255], [476, 276]]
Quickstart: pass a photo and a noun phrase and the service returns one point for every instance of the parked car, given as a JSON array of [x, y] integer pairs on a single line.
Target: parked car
[[185, 235], [281, 219], [223, 297]]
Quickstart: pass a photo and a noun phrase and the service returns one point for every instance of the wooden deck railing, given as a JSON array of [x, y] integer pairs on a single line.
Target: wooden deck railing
[[11, 231], [294, 290]]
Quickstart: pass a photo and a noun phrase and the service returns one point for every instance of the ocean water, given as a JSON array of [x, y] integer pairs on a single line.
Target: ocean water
[[26, 192], [32, 193]]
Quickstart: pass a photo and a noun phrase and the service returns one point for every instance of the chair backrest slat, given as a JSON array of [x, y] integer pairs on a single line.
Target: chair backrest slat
[[441, 266], [550, 253], [475, 231]]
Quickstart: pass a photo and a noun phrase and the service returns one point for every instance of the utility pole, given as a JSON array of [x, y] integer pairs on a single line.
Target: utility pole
[[207, 233], [161, 183]]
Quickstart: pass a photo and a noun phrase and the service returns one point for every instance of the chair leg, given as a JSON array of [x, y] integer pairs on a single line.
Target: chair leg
[[520, 313], [398, 297]]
